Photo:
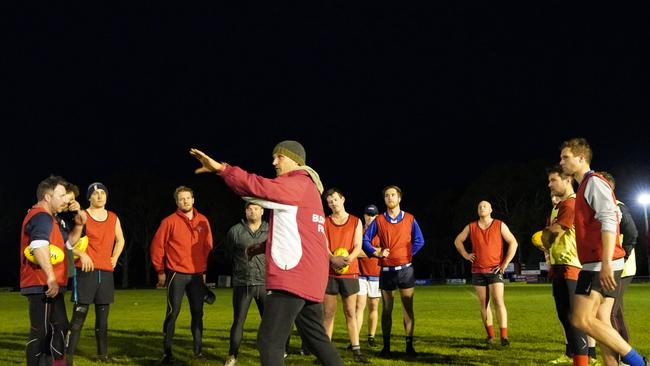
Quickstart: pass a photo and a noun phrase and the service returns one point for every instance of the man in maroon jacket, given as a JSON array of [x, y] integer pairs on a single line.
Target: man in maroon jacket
[[296, 250]]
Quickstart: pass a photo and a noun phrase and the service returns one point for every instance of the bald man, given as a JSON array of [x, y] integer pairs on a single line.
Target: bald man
[[489, 265]]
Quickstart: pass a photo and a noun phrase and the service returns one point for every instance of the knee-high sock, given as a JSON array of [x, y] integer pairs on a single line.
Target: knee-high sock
[[76, 324], [101, 329]]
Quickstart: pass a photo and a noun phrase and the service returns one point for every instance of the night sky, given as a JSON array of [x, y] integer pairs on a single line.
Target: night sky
[[377, 95]]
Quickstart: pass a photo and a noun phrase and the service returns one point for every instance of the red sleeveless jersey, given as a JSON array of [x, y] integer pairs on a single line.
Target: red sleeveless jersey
[[487, 245], [31, 274], [370, 266], [342, 236], [101, 239], [588, 236], [397, 238]]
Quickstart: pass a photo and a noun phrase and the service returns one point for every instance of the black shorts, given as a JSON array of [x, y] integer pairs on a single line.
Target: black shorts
[[485, 279], [590, 280], [402, 278], [343, 286], [94, 287]]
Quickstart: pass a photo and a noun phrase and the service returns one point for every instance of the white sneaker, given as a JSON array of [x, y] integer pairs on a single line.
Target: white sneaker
[[230, 361]]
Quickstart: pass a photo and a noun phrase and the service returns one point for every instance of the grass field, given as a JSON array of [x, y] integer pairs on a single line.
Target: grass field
[[448, 329]]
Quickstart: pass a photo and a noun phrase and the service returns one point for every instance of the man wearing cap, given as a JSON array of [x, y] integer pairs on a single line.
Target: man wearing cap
[[369, 282], [248, 274], [179, 254], [296, 250], [95, 276], [400, 239]]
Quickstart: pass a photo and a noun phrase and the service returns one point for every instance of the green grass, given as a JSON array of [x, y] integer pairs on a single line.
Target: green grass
[[448, 329]]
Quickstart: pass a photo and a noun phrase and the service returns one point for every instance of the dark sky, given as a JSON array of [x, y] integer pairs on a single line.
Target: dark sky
[[377, 94]]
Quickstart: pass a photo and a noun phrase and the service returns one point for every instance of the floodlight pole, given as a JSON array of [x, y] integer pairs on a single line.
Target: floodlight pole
[[647, 244], [645, 216]]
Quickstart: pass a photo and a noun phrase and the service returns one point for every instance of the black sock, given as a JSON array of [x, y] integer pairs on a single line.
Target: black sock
[[387, 342], [592, 352], [409, 341]]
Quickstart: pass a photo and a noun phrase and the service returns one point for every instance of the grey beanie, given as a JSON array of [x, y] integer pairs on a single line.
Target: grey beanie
[[291, 149]]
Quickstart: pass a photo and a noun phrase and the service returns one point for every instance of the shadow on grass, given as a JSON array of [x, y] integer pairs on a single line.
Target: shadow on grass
[[14, 342], [440, 350], [145, 347], [141, 347]]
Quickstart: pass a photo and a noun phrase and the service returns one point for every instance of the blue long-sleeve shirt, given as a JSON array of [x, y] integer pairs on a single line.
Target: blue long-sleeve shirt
[[417, 239]]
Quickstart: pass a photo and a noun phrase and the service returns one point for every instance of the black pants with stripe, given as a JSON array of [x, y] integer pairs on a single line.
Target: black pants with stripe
[[48, 325], [179, 284], [563, 293]]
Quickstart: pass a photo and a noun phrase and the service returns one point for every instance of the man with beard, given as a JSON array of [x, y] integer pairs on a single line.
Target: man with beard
[[42, 282], [179, 254], [400, 239], [559, 239]]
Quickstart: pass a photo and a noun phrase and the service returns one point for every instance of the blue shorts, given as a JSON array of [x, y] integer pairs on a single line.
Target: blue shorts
[[391, 280]]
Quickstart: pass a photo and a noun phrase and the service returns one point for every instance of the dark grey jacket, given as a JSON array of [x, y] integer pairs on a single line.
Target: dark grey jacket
[[240, 237], [628, 229]]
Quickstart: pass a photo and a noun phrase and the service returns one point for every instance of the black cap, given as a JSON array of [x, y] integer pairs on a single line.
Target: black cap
[[371, 210]]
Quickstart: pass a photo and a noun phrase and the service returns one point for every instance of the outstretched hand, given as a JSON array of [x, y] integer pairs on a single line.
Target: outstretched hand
[[208, 165]]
